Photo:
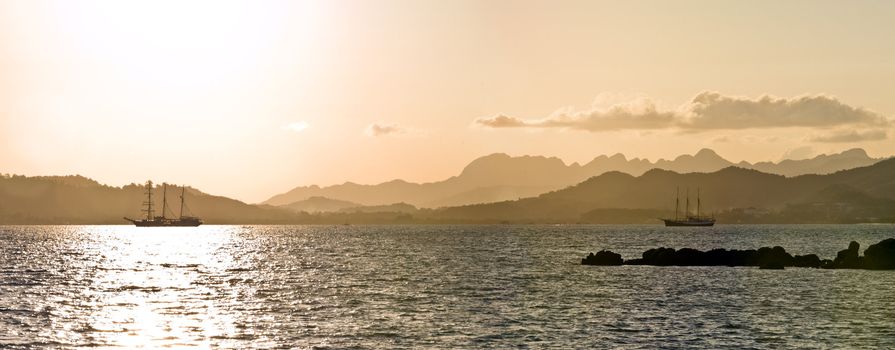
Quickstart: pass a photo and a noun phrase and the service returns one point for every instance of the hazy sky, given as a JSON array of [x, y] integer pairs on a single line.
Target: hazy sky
[[249, 99]]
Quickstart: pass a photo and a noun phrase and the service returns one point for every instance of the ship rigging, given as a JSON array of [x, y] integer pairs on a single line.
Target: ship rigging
[[151, 220], [688, 219]]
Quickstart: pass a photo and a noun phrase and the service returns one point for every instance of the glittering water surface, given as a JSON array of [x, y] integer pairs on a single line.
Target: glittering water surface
[[430, 287]]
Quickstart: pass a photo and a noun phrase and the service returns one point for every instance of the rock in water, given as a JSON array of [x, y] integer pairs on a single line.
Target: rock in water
[[659, 256], [603, 258], [880, 256], [774, 257], [848, 258], [810, 260]]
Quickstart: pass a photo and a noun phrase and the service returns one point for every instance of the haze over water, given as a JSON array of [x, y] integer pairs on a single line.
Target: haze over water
[[430, 286]]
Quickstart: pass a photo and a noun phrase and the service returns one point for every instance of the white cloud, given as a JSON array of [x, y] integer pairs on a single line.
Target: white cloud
[[711, 110], [298, 126], [706, 111], [391, 129], [640, 114], [502, 121]]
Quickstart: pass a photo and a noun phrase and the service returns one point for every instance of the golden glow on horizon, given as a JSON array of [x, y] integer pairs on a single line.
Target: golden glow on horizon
[[249, 99]]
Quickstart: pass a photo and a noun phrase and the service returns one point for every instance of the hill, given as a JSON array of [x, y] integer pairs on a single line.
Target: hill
[[79, 200], [500, 177], [319, 205], [403, 208], [864, 193]]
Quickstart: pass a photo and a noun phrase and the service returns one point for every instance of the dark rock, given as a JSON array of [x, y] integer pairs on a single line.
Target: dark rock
[[880, 256], [718, 257], [747, 257], [690, 257], [634, 262], [771, 266], [776, 256], [848, 258], [810, 260], [659, 256], [603, 258], [715, 257]]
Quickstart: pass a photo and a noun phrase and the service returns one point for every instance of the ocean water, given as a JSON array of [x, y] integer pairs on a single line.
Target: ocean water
[[430, 287]]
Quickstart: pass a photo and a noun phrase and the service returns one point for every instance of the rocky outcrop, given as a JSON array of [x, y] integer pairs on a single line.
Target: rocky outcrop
[[880, 256], [721, 257], [603, 258], [848, 258], [810, 260]]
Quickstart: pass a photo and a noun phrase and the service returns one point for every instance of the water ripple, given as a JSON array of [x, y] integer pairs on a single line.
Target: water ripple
[[429, 287]]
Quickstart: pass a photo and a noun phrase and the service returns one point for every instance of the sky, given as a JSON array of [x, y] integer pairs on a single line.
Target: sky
[[247, 99]]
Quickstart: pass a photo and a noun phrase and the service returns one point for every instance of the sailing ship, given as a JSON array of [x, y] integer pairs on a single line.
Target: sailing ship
[[155, 221], [688, 219]]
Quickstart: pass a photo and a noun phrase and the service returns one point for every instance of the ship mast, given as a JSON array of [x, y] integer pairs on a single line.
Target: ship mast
[[677, 201], [148, 203], [698, 202], [688, 202], [164, 199], [182, 192]]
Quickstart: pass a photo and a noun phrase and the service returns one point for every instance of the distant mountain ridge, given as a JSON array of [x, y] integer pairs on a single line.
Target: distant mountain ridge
[[500, 177], [863, 194], [867, 192], [319, 205], [315, 205], [822, 164]]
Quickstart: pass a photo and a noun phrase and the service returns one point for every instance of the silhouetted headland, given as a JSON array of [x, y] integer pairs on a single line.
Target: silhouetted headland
[[879, 256]]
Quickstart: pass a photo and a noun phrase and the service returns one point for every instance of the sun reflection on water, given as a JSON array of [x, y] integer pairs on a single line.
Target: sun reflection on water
[[163, 285]]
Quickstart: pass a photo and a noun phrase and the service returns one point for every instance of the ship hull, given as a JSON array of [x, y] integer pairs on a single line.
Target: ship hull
[[166, 222], [702, 223]]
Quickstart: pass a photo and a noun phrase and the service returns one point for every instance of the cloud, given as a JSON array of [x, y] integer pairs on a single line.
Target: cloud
[[298, 126], [798, 153], [706, 111], [850, 136], [640, 114], [711, 110], [501, 121], [382, 129]]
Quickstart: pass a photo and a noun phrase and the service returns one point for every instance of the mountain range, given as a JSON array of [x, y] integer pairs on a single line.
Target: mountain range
[[862, 194], [320, 205], [500, 177], [316, 205]]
